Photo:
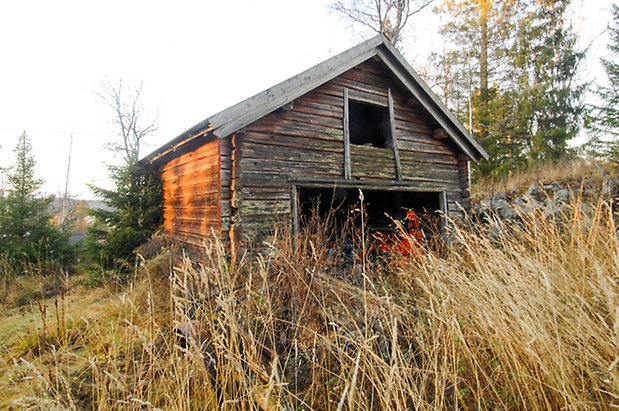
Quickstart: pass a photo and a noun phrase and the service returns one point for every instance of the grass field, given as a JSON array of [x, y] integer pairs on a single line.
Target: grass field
[[508, 316]]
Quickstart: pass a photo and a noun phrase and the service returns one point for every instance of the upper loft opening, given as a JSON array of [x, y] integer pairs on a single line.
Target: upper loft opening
[[369, 125]]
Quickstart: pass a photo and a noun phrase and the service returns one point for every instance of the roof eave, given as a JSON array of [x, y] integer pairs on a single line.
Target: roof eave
[[431, 102]]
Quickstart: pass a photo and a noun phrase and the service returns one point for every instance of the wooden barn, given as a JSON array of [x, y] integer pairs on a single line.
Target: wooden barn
[[363, 119]]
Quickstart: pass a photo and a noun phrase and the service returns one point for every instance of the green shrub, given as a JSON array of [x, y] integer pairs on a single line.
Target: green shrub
[[134, 214]]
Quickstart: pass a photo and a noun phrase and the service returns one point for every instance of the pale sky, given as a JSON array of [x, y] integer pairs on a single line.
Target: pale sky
[[194, 57]]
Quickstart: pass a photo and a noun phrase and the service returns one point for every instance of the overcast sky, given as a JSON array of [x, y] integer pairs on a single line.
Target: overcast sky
[[194, 58]]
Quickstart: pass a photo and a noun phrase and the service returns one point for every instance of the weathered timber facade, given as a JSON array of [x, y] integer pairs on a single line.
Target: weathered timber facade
[[360, 120]]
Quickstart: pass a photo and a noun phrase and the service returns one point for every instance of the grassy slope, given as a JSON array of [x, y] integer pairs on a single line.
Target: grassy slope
[[570, 173], [527, 318]]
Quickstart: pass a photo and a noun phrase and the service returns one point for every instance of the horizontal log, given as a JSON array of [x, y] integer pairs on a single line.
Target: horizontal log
[[259, 179], [355, 86], [193, 238], [208, 190], [270, 126], [368, 78], [269, 207], [368, 98], [203, 166], [265, 193], [301, 146], [373, 184], [190, 182], [194, 214], [326, 104], [306, 115], [203, 227], [208, 150], [292, 167], [193, 204]]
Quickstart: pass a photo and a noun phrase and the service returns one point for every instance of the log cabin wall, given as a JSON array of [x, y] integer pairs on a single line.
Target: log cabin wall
[[225, 187], [305, 141], [192, 193]]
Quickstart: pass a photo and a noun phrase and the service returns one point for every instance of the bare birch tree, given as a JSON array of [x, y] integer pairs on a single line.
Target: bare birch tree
[[388, 17], [129, 114]]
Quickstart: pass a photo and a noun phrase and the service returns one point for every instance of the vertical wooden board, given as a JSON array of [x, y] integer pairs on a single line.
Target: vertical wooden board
[[394, 138], [465, 180], [225, 173], [294, 209], [347, 163], [444, 206]]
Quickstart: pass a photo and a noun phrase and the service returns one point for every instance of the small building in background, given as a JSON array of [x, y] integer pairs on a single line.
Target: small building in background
[[362, 120]]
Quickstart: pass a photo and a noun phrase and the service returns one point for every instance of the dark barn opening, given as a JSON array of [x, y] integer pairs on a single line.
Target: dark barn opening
[[381, 206], [369, 125]]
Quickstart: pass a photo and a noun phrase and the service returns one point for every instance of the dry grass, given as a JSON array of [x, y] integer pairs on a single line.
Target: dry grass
[[570, 172], [518, 317]]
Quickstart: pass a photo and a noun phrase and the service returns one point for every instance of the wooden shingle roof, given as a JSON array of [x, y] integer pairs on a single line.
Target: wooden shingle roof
[[236, 117]]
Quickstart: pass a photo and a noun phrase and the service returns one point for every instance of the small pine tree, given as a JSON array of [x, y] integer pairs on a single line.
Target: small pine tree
[[603, 119], [28, 238]]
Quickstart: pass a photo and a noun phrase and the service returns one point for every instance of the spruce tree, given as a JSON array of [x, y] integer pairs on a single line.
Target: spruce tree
[[134, 205], [28, 237], [555, 96], [133, 215], [603, 119], [523, 98]]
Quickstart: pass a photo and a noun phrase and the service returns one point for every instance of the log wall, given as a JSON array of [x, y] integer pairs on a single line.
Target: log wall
[[192, 195], [306, 142]]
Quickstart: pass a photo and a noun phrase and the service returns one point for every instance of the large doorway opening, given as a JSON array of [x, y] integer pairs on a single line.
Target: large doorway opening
[[382, 208]]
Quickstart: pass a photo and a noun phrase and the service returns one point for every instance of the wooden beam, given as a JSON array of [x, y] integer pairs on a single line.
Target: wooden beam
[[428, 91], [442, 200], [387, 185], [294, 209], [347, 162], [431, 106], [394, 139], [369, 98]]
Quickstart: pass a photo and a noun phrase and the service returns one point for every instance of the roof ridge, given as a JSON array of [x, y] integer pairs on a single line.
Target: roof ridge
[[239, 115]]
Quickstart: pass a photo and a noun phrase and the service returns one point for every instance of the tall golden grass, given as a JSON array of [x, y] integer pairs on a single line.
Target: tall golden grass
[[520, 316]]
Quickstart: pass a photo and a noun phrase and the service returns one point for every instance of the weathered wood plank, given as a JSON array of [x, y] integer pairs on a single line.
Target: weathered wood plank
[[347, 163], [191, 186], [369, 98], [394, 138], [204, 166], [208, 150], [307, 117], [272, 126], [283, 166], [294, 209]]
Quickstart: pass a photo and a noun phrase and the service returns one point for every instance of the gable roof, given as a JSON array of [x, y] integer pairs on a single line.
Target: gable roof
[[236, 117]]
